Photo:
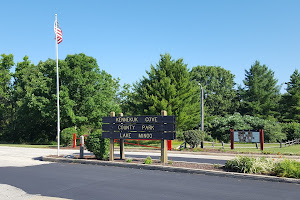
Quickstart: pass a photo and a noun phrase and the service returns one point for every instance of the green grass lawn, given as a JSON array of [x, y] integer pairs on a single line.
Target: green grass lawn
[[251, 148], [241, 148], [290, 150]]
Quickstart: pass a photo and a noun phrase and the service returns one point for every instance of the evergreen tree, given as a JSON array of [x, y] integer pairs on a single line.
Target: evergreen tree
[[218, 84], [168, 87], [260, 95], [290, 102]]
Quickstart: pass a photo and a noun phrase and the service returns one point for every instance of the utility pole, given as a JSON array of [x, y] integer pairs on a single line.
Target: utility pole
[[202, 112], [202, 108]]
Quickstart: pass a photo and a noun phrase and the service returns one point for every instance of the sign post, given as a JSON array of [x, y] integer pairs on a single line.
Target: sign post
[[81, 147], [164, 152], [111, 144], [261, 138], [122, 153], [232, 138]]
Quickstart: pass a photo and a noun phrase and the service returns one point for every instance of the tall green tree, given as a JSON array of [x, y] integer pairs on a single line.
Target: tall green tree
[[168, 87], [125, 100], [218, 83], [86, 95], [260, 95], [6, 62], [290, 102], [34, 119]]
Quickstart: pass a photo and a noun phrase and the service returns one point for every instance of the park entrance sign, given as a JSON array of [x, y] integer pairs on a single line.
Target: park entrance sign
[[139, 127], [160, 127]]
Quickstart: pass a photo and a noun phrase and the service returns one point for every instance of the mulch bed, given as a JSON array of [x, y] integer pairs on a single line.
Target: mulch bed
[[171, 163]]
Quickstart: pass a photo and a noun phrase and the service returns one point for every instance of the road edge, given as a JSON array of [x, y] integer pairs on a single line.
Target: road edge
[[174, 169]]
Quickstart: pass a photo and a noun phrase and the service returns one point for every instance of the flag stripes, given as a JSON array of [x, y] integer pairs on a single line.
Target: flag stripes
[[58, 32]]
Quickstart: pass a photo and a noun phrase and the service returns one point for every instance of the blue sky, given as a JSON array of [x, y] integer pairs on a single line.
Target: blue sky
[[126, 37]]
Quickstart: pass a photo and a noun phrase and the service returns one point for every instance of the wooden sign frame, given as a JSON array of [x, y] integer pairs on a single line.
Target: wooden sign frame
[[161, 127]]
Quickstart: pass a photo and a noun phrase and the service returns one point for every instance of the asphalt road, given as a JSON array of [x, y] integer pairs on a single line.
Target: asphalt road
[[23, 176], [76, 181]]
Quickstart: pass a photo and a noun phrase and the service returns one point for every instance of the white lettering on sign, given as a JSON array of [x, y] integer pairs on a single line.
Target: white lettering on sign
[[127, 119], [126, 127], [145, 135], [125, 135], [148, 127], [151, 119]]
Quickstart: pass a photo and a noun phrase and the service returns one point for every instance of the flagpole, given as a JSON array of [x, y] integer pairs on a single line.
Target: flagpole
[[57, 89]]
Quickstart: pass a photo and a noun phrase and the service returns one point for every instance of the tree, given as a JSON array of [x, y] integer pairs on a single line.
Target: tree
[[290, 102], [6, 62], [34, 119], [125, 100], [218, 84], [260, 95], [86, 95], [88, 92], [168, 87]]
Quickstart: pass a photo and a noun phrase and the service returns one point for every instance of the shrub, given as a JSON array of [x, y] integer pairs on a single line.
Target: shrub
[[96, 144], [292, 130], [66, 136], [84, 130], [247, 164], [208, 138], [179, 135], [220, 127], [272, 131], [148, 160], [194, 137], [288, 168]]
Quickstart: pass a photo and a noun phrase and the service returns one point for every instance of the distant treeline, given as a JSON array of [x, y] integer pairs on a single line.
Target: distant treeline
[[28, 97]]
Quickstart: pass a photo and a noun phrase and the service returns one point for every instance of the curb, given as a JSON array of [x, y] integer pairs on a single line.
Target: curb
[[175, 169]]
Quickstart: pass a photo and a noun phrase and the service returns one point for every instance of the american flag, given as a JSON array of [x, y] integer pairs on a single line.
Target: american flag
[[58, 32]]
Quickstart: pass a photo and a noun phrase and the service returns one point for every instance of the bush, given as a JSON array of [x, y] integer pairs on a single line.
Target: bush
[[220, 127], [99, 146], [148, 160], [194, 137], [84, 130], [292, 130], [247, 164], [272, 132], [288, 168], [208, 138], [179, 135], [66, 136]]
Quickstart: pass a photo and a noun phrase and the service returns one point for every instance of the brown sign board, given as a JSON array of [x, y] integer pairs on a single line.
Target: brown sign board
[[140, 119], [140, 135], [139, 127]]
